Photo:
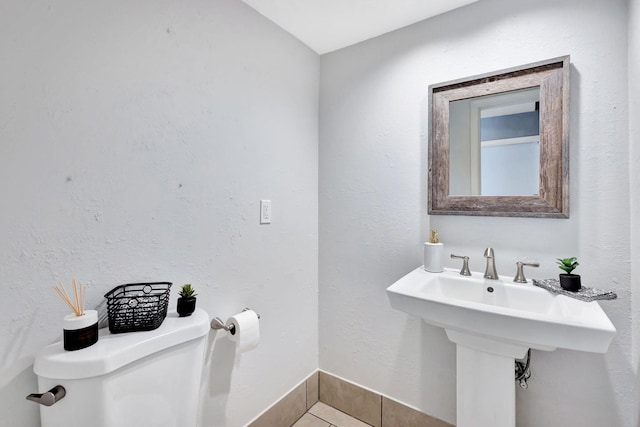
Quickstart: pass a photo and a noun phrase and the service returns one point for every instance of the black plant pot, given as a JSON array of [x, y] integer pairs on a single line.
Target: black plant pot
[[570, 282], [186, 306]]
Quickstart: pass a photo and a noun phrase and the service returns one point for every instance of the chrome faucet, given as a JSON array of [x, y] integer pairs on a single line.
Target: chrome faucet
[[490, 272]]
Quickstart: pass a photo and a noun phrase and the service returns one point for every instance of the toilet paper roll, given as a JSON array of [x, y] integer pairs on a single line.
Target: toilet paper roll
[[246, 330]]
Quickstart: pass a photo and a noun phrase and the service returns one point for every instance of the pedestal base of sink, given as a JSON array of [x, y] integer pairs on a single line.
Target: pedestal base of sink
[[485, 385], [486, 390]]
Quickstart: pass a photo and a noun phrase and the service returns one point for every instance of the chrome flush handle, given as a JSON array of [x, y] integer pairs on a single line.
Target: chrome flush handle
[[49, 398]]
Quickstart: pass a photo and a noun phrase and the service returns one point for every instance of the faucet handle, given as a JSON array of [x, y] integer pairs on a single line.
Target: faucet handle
[[465, 264], [520, 271]]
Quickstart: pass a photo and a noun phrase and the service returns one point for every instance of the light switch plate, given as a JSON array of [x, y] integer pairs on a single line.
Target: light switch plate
[[265, 211]]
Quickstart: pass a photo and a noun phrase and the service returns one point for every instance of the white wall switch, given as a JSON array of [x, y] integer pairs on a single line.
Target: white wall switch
[[265, 211]]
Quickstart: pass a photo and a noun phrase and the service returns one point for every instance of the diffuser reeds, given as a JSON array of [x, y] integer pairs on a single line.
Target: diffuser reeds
[[76, 304]]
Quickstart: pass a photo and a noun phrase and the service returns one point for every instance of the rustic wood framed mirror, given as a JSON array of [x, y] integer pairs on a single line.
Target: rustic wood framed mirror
[[499, 143]]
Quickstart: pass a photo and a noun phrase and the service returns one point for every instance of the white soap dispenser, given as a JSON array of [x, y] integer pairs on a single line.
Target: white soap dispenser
[[433, 251]]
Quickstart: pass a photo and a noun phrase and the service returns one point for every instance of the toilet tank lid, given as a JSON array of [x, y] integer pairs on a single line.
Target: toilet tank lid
[[113, 351]]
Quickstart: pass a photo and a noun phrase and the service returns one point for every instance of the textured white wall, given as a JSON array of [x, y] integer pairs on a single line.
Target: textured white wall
[[136, 140], [634, 168], [373, 220]]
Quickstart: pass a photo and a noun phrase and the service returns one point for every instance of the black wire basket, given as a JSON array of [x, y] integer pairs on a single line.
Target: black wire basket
[[137, 306]]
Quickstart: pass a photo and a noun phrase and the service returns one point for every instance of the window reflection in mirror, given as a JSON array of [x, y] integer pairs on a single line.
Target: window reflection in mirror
[[495, 144]]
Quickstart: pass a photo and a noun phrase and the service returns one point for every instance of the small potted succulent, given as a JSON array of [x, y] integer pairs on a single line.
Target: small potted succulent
[[569, 281], [186, 301]]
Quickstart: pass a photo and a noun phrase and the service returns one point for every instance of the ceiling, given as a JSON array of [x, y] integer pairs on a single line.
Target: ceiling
[[328, 25]]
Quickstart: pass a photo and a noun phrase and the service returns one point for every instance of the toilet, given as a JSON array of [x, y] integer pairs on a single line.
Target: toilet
[[134, 379]]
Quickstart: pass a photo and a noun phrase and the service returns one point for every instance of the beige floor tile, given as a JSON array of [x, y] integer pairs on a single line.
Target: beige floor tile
[[356, 401], [286, 411], [312, 390], [335, 417], [396, 414], [309, 420]]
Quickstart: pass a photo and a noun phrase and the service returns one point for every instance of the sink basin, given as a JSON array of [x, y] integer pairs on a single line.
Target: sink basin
[[501, 312], [492, 323]]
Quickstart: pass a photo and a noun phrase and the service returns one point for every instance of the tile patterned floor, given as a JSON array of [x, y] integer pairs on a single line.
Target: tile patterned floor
[[321, 415]]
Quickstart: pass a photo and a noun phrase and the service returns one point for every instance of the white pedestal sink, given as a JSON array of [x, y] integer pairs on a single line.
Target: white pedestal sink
[[494, 322]]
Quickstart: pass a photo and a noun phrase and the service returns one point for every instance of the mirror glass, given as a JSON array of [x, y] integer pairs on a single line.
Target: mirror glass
[[494, 144], [498, 143]]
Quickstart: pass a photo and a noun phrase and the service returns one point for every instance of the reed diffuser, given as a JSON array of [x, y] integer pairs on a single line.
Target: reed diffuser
[[76, 304], [80, 327]]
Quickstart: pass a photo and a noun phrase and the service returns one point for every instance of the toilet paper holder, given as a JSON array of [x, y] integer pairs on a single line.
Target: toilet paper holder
[[218, 323]]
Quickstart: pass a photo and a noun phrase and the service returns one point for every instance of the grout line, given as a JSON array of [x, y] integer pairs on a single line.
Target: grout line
[[338, 410], [321, 419]]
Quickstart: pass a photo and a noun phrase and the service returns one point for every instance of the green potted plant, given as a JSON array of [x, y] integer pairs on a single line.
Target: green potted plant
[[186, 301], [568, 280]]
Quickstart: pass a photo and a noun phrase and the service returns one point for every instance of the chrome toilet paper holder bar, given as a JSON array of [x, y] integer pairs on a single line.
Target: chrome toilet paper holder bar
[[217, 323]]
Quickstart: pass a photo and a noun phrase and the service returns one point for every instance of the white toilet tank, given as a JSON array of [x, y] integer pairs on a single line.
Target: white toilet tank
[[135, 379]]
